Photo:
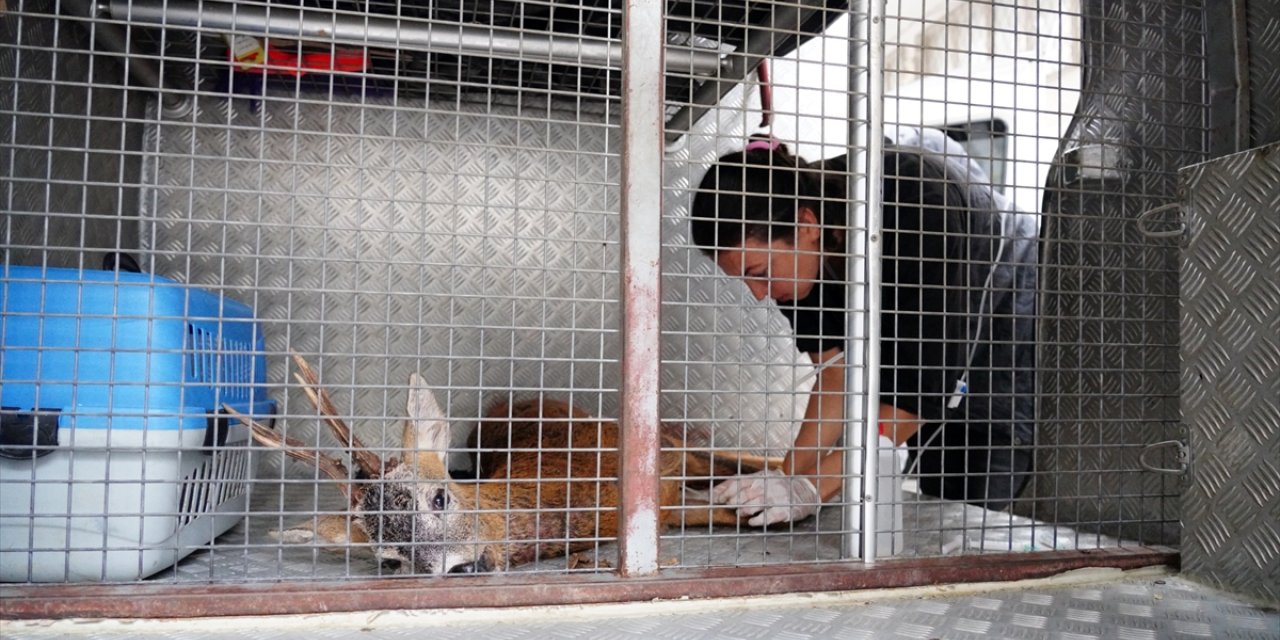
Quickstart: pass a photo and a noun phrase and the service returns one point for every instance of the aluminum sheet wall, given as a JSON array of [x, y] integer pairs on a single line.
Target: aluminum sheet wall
[[479, 237], [1231, 371], [1263, 21], [1109, 357], [72, 167]]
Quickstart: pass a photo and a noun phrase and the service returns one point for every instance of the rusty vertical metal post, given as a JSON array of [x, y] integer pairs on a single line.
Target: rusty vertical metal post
[[642, 124]]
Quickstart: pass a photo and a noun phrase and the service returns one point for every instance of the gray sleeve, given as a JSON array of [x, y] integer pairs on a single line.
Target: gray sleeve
[[954, 153]]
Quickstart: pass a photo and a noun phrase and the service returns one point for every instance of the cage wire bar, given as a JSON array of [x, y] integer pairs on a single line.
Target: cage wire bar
[[1111, 294], [642, 96], [478, 196], [349, 28], [866, 57]]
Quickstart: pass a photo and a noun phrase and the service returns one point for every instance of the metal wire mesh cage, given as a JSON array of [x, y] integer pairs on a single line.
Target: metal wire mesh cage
[[513, 311]]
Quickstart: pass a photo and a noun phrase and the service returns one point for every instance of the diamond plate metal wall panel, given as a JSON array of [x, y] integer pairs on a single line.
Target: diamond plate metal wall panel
[[698, 298], [476, 243], [69, 151], [1108, 378], [1231, 371], [1264, 82]]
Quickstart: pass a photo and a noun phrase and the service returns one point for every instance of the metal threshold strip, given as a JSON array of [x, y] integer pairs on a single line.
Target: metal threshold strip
[[274, 598]]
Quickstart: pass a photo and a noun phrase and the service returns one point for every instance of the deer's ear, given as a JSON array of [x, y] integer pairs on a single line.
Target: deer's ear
[[426, 434]]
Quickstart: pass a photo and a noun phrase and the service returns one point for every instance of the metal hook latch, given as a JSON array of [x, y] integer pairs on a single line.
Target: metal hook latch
[[1183, 457], [1145, 221]]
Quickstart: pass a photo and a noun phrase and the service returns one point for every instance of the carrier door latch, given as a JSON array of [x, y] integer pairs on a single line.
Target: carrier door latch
[[1182, 457], [27, 435], [217, 425]]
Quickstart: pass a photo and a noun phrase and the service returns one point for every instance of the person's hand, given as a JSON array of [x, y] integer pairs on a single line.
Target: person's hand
[[768, 497]]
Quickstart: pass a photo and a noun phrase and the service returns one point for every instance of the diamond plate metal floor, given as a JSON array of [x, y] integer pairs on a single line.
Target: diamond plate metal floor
[[931, 527], [1141, 605]]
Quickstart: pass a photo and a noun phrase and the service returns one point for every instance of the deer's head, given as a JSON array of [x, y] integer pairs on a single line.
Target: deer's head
[[409, 511], [416, 514]]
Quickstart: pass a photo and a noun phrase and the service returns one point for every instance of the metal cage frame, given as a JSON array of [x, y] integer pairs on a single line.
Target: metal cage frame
[[648, 125]]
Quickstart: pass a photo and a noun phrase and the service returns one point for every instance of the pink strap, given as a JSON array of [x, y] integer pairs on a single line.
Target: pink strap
[[768, 144]]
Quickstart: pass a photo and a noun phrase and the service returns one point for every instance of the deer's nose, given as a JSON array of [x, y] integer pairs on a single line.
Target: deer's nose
[[479, 565]]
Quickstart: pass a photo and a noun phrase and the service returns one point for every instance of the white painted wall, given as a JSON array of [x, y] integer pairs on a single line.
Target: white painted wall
[[946, 62]]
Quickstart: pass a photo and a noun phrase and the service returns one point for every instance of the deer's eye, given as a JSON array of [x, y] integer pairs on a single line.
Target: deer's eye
[[438, 501]]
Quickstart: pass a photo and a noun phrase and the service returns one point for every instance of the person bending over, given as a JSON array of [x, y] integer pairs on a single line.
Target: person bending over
[[957, 322]]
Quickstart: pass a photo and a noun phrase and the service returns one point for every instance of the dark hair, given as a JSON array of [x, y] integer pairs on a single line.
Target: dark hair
[[757, 194]]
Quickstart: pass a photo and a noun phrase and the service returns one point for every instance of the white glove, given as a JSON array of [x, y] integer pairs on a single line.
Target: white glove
[[769, 496]]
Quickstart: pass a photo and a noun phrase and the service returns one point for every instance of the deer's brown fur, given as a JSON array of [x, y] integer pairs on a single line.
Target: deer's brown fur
[[546, 485]]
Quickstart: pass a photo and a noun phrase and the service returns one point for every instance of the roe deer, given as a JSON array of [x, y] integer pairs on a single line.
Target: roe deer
[[547, 484]]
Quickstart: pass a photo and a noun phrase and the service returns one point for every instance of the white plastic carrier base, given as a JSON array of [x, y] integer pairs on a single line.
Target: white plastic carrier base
[[118, 505], [889, 497]]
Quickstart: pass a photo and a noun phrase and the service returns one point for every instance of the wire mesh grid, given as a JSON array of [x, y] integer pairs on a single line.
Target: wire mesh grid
[[397, 191], [976, 99]]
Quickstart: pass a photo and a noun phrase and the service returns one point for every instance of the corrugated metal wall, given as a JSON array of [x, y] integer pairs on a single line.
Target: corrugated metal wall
[[1230, 324], [1231, 371], [480, 236], [1263, 19], [1109, 360], [72, 167]]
